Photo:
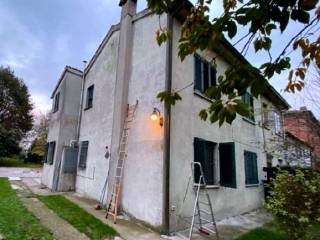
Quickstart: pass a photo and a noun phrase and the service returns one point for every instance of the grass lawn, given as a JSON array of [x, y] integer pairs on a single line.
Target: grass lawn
[[270, 231], [79, 218], [16, 222], [15, 162]]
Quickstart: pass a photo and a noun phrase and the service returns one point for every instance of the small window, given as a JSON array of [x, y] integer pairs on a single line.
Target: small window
[[251, 167], [205, 74], [248, 99], [56, 102], [50, 149], [90, 91], [83, 154], [204, 154], [227, 165], [277, 122]]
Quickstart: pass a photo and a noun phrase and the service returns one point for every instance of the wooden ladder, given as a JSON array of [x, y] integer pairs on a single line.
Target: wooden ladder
[[114, 201]]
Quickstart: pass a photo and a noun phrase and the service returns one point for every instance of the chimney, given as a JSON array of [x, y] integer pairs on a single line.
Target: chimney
[[129, 7], [303, 108], [122, 81]]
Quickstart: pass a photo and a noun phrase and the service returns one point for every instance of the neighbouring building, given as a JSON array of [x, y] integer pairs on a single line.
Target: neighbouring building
[[128, 67], [305, 127]]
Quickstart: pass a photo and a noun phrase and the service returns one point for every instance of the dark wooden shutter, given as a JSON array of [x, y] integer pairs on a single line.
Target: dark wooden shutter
[[227, 165], [45, 157], [209, 163], [83, 154], [206, 79], [251, 167], [197, 73], [213, 76], [51, 150], [199, 156]]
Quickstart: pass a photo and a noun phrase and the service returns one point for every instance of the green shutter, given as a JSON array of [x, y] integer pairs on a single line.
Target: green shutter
[[199, 156], [251, 167], [227, 165], [197, 73], [45, 157], [83, 154]]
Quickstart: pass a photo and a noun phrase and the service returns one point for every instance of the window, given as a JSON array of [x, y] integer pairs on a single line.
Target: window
[[205, 74], [248, 99], [49, 156], [277, 122], [56, 102], [204, 154], [89, 103], [227, 165], [251, 167], [83, 154]]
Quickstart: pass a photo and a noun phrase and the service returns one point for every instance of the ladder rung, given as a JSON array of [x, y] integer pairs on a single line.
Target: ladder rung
[[206, 220], [204, 211], [205, 203], [209, 230]]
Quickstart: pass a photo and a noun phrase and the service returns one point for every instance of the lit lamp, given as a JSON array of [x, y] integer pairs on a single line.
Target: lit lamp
[[156, 115]]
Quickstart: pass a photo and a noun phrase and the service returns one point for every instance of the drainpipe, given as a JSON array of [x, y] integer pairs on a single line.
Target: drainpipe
[[166, 150], [81, 101]]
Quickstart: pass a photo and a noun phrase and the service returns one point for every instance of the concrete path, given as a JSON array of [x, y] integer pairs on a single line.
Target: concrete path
[[13, 172], [61, 229]]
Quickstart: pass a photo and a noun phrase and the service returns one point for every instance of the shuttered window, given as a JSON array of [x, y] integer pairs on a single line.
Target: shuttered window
[[205, 74], [45, 157], [204, 154], [50, 153], [90, 91], [83, 154], [248, 99], [227, 165], [56, 102], [251, 168]]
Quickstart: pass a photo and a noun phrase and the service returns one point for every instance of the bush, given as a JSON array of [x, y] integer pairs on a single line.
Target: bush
[[295, 202]]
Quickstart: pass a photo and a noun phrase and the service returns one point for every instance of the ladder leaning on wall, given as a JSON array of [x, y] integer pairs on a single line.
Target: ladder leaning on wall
[[113, 205]]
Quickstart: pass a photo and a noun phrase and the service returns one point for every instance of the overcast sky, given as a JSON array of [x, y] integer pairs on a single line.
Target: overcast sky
[[38, 38]]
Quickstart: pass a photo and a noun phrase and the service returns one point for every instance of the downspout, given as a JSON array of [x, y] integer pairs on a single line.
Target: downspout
[[167, 117], [81, 101]]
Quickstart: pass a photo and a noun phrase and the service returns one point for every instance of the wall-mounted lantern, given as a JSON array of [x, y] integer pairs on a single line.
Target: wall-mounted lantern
[[156, 115]]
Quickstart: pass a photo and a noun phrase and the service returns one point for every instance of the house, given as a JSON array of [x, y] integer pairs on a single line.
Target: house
[[297, 152], [128, 68], [305, 127]]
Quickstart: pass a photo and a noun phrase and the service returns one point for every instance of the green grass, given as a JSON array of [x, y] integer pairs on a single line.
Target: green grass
[[79, 218], [16, 222], [16, 162], [271, 231]]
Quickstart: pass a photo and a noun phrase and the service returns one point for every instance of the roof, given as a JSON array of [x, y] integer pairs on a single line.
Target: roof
[[289, 134], [180, 12], [112, 29], [305, 113], [69, 69]]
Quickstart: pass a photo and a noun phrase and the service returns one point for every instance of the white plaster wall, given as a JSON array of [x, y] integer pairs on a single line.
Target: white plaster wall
[[142, 184], [53, 135], [186, 124], [96, 123], [62, 127]]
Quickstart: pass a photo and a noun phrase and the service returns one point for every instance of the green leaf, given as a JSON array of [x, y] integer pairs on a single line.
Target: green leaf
[[232, 29], [270, 27]]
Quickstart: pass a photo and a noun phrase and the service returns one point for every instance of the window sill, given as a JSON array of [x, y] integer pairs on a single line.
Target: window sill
[[249, 121], [252, 185], [201, 95], [87, 108]]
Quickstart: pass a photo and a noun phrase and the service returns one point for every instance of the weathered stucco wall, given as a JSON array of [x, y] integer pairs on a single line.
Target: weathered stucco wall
[[96, 123], [62, 129], [186, 124], [142, 183]]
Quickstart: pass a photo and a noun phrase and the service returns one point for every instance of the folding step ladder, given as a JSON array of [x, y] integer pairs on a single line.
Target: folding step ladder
[[114, 202], [202, 206]]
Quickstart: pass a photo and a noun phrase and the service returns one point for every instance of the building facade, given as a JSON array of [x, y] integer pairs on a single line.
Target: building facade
[[303, 125], [128, 68]]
